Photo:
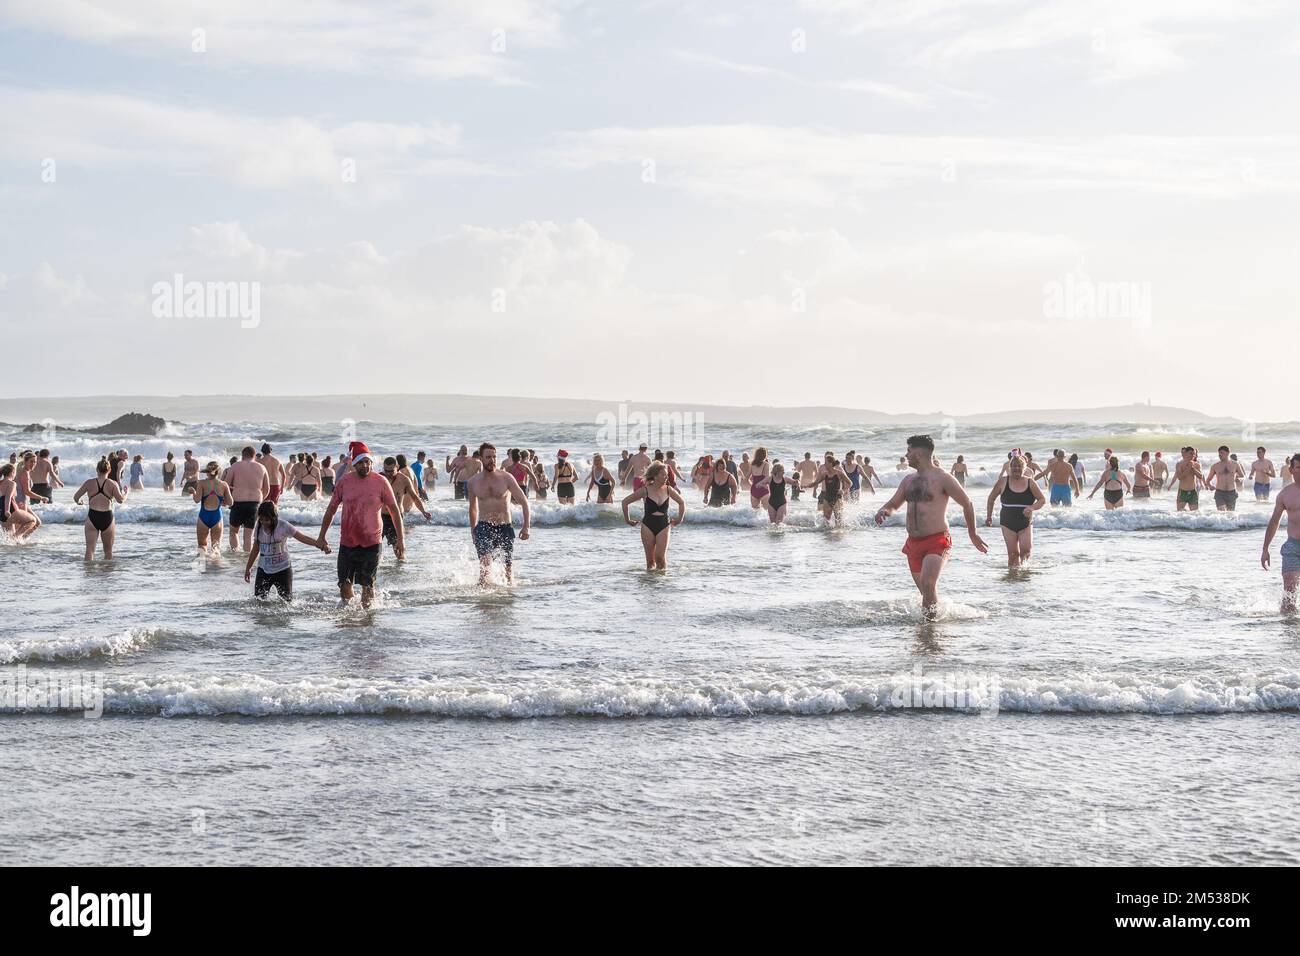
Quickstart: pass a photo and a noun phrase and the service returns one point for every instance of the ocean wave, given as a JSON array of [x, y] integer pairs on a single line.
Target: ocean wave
[[699, 697], [70, 648], [802, 516]]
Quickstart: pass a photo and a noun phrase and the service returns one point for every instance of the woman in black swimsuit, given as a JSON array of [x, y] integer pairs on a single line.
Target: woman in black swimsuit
[[169, 473], [776, 500], [602, 480], [722, 487], [1020, 497], [100, 526], [832, 476], [655, 523]]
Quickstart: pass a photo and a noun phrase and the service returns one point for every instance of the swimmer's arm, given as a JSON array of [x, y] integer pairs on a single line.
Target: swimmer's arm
[[1124, 478], [76, 499], [252, 560], [119, 493], [395, 513], [1101, 481], [521, 499], [1039, 499], [305, 539], [892, 504], [958, 494], [681, 504], [1271, 530], [332, 507], [993, 496]]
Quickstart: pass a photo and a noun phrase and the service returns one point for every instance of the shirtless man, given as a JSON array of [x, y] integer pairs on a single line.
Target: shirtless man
[[249, 484], [44, 480], [1224, 474], [363, 495], [902, 464], [274, 471], [929, 541], [636, 466], [1159, 471], [490, 494], [807, 470], [1288, 500], [189, 474], [1142, 477], [1188, 479], [1061, 478], [404, 493], [454, 467], [1262, 474]]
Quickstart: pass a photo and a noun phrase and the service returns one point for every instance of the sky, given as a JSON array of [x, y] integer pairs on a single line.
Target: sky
[[904, 205]]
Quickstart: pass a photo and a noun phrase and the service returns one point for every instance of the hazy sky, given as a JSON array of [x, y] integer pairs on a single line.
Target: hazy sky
[[907, 205]]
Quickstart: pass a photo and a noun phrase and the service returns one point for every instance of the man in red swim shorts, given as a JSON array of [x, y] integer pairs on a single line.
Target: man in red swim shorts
[[927, 493]]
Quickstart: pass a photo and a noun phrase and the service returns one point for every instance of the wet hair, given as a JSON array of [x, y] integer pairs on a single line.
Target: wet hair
[[6, 470], [102, 467], [1261, 448], [248, 451], [266, 449], [1114, 462], [760, 456], [778, 470], [390, 460], [1224, 448], [921, 441], [401, 461], [267, 509], [484, 447], [654, 471]]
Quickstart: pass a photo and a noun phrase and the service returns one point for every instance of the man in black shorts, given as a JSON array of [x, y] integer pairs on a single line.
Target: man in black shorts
[[363, 496]]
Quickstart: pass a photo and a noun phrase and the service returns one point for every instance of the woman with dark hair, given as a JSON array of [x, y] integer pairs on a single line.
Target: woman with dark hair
[[759, 473], [722, 492], [274, 569], [1113, 476]]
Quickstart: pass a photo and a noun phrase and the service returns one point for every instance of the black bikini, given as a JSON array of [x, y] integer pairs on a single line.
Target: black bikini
[[100, 520], [605, 491], [1015, 504], [656, 514]]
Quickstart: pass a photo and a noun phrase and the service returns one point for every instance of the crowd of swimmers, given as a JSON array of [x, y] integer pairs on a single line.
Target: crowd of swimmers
[[373, 502]]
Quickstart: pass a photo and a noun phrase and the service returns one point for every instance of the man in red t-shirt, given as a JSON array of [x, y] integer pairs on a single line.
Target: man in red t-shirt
[[363, 495]]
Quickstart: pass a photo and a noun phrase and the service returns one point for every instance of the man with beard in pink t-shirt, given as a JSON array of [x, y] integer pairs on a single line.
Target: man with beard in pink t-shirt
[[363, 494]]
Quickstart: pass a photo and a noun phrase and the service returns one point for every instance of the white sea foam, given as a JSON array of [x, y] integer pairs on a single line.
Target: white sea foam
[[721, 695], [66, 648]]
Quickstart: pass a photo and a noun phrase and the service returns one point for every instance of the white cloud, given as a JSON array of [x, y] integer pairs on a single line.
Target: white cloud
[[443, 40], [818, 167], [884, 91], [1117, 39], [86, 129]]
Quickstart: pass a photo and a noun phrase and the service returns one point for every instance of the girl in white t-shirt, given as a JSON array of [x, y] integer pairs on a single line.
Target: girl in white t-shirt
[[274, 569]]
